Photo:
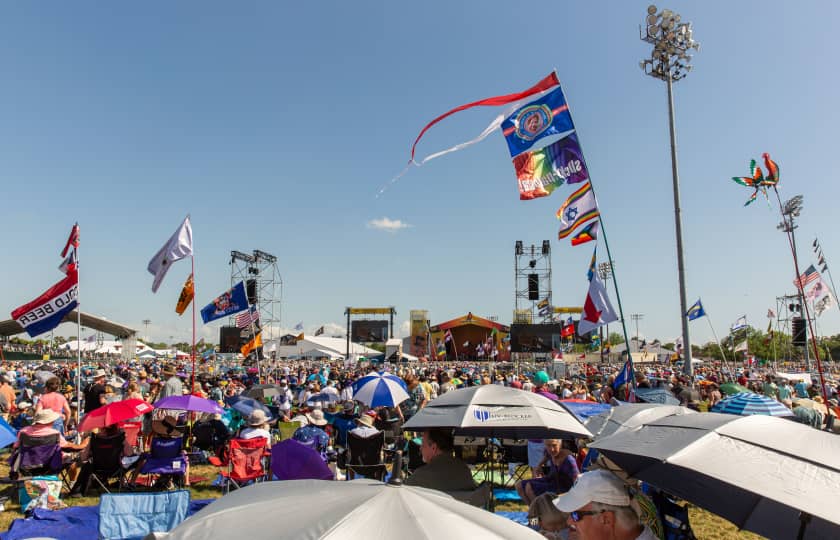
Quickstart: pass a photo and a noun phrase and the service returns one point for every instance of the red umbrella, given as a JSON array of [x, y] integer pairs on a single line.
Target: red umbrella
[[114, 412]]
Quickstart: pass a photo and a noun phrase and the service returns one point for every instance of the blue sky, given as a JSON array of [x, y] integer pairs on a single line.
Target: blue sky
[[274, 124]]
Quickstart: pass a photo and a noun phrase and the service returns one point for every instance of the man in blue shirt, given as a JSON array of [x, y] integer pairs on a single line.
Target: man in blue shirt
[[801, 389]]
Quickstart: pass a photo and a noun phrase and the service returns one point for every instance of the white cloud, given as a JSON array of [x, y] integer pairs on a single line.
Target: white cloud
[[387, 224]]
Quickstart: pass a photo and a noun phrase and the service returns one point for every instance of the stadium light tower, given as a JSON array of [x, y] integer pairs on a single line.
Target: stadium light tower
[[670, 62]]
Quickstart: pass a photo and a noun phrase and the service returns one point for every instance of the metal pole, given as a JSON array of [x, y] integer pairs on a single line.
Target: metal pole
[[688, 369]]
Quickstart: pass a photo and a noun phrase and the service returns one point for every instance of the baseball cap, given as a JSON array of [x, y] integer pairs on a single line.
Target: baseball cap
[[594, 486]]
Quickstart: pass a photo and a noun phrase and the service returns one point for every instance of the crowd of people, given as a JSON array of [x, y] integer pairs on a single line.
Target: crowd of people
[[318, 399]]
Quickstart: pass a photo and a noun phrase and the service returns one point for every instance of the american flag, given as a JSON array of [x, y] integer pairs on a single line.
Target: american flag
[[247, 318], [807, 277]]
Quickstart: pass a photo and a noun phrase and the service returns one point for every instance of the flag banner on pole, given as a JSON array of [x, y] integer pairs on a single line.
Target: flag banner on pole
[[597, 309], [447, 337], [742, 346], [230, 302], [818, 290], [771, 314], [540, 172], [187, 294], [823, 304], [579, 208], [544, 311], [590, 272], [696, 311], [514, 102], [810, 274], [567, 331], [739, 324], [72, 240], [318, 332], [441, 348], [624, 376], [249, 317], [176, 248], [587, 233], [299, 337], [252, 345], [48, 310], [542, 303], [547, 115], [69, 263], [299, 327]]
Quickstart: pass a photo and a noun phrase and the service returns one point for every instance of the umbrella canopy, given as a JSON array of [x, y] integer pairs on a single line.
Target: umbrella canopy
[[630, 416], [498, 411], [662, 396], [189, 403], [245, 405], [291, 460], [262, 391], [43, 376], [113, 413], [382, 388], [323, 397], [747, 403], [759, 472], [323, 509], [584, 409], [8, 434], [732, 388]]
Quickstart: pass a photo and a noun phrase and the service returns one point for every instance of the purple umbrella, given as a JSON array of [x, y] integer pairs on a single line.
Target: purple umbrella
[[291, 460], [189, 403]]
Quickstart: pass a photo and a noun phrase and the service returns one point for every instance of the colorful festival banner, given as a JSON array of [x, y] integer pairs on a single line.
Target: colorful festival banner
[[547, 115], [186, 296], [228, 303], [586, 234], [579, 208], [539, 172], [48, 310]]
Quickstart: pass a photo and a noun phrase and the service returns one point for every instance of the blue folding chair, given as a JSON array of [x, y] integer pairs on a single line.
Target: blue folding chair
[[133, 516]]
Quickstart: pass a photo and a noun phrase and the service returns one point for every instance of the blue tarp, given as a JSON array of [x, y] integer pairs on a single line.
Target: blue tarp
[[75, 523], [519, 517]]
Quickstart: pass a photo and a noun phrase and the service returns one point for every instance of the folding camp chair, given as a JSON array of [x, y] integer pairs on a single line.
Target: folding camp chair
[[106, 460], [243, 462], [287, 429], [136, 515], [132, 432], [37, 456], [166, 459], [364, 456]]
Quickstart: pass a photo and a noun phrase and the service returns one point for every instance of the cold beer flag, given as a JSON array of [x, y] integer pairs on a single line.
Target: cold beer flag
[[186, 297], [539, 172], [48, 310]]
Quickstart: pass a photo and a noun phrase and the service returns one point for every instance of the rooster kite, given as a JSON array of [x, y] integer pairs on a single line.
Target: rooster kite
[[758, 181]]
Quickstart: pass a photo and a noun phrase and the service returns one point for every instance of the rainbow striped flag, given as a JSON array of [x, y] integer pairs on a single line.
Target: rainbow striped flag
[[578, 209]]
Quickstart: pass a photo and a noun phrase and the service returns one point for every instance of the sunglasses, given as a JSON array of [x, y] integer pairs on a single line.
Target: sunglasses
[[577, 516]]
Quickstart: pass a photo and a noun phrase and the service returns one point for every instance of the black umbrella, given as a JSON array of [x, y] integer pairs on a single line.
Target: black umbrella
[[262, 391]]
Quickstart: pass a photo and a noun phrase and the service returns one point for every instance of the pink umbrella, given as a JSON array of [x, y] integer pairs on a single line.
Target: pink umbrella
[[113, 413]]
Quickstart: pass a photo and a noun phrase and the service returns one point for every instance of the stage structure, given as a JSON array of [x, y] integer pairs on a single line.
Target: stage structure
[[263, 286], [533, 284], [473, 338], [369, 330], [790, 320]]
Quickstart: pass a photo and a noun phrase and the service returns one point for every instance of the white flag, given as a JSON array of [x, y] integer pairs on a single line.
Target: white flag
[[742, 347], [175, 249], [817, 290], [597, 309], [823, 304], [740, 323]]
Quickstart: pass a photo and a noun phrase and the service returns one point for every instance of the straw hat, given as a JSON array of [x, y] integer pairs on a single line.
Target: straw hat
[[169, 371], [366, 419], [257, 418], [316, 418], [45, 416], [167, 427]]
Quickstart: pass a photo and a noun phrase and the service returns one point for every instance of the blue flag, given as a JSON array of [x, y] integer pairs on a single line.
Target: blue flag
[[696, 311], [230, 302], [624, 376], [546, 116], [590, 273]]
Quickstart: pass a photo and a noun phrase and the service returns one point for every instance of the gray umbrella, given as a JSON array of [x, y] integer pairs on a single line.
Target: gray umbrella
[[262, 391], [630, 416], [498, 411], [325, 509], [762, 473]]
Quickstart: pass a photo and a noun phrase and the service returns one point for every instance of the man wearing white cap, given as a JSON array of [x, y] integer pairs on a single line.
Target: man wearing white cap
[[599, 509]]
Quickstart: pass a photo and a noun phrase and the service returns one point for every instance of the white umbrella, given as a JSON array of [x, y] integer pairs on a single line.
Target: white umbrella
[[382, 388], [498, 411], [763, 473], [630, 416], [324, 509]]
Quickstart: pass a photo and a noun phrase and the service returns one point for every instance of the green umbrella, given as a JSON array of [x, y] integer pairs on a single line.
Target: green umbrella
[[733, 388]]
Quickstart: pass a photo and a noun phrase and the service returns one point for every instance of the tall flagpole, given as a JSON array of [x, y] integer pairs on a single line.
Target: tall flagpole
[[192, 378], [78, 337], [725, 361]]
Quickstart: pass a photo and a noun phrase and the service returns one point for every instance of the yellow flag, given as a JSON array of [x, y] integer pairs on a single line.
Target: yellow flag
[[186, 297], [300, 337], [251, 345]]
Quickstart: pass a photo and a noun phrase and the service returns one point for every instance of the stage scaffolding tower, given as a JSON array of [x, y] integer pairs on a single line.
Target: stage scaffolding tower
[[788, 307], [263, 285], [533, 283]]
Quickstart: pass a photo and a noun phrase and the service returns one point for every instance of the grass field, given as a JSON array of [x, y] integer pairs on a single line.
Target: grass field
[[706, 526]]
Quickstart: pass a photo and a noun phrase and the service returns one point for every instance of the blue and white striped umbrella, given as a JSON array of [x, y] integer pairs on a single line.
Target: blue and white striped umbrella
[[747, 403], [376, 389]]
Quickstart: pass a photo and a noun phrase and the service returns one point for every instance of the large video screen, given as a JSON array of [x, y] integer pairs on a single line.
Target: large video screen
[[369, 331], [535, 337]]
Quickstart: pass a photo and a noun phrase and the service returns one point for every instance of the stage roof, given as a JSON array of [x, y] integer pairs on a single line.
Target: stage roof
[[469, 318], [11, 327]]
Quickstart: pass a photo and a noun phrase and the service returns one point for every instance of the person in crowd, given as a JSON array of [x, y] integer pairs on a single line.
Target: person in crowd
[[94, 393], [441, 469], [801, 389], [545, 518], [80, 486], [313, 434], [365, 426], [600, 508], [536, 448], [257, 426], [7, 397], [54, 400], [445, 383], [172, 386], [769, 388], [562, 472], [417, 398]]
